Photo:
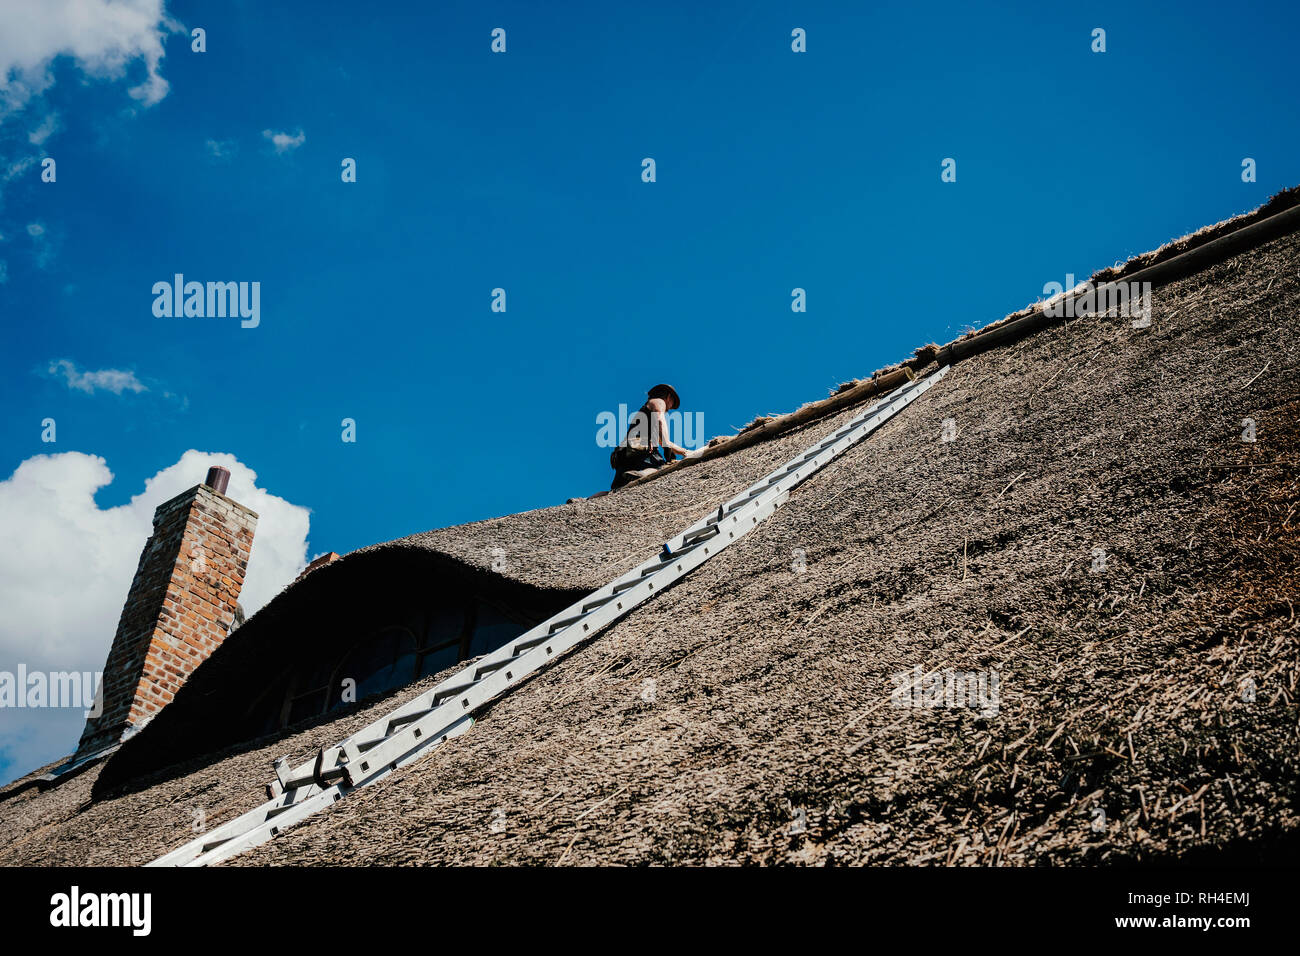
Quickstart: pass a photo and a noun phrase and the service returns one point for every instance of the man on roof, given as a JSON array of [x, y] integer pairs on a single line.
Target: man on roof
[[646, 446]]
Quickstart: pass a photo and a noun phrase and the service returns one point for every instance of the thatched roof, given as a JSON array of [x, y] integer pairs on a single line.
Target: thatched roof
[[745, 715], [543, 560]]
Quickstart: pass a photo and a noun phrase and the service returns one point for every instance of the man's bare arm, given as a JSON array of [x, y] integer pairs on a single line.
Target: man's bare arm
[[659, 429], [661, 424]]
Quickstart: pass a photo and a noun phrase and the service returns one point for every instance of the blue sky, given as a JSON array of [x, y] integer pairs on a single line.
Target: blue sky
[[522, 170]]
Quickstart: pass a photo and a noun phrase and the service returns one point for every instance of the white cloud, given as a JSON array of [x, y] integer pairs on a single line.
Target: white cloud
[[68, 563], [44, 243], [48, 126], [18, 167], [103, 37], [221, 148], [113, 380], [106, 39], [283, 142]]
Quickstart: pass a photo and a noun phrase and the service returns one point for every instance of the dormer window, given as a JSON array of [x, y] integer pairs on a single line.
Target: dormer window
[[390, 656]]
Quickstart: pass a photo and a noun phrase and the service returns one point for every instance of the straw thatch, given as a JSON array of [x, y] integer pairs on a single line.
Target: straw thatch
[[1098, 534]]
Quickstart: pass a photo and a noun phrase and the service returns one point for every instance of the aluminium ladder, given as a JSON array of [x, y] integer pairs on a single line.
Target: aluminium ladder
[[407, 733]]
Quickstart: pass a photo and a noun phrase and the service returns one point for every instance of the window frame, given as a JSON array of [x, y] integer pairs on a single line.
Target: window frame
[[418, 627]]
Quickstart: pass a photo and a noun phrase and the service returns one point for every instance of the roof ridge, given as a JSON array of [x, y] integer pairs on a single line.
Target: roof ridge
[[1175, 259]]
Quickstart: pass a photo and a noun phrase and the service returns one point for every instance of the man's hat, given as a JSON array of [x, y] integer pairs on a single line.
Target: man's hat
[[664, 390]]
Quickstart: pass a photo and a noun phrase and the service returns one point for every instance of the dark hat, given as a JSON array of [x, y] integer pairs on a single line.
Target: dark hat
[[663, 390]]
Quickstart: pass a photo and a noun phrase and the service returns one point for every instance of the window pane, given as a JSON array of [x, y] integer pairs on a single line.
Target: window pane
[[404, 667], [491, 630], [446, 623], [317, 673], [439, 660], [377, 664], [308, 705], [264, 717]]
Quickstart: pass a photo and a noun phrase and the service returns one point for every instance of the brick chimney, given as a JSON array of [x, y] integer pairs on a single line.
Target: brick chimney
[[180, 607]]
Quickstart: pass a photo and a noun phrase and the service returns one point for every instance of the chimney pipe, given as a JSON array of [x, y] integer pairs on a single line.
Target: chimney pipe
[[218, 479]]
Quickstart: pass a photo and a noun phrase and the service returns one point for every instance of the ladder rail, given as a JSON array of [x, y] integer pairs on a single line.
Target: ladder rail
[[404, 734], [262, 823]]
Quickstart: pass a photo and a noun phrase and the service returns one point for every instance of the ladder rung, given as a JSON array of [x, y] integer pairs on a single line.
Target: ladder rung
[[561, 625], [703, 534], [489, 666], [530, 644], [599, 602], [405, 719], [687, 549], [453, 691], [668, 557]]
